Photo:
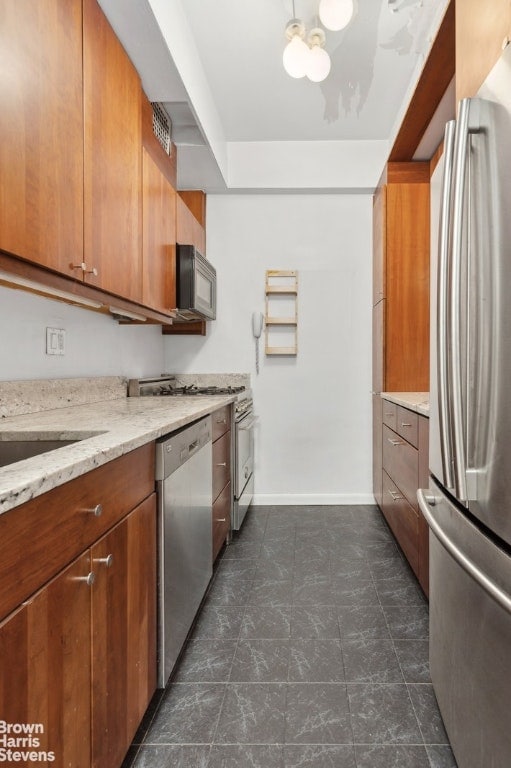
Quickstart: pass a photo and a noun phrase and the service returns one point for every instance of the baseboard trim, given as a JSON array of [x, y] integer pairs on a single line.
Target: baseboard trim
[[311, 499]]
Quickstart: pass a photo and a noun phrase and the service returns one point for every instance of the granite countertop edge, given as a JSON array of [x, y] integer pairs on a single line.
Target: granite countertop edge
[[105, 431], [415, 401]]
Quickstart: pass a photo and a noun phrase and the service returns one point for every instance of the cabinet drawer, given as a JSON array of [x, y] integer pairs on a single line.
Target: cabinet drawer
[[408, 425], [221, 463], [389, 414], [401, 463], [40, 537], [403, 520], [221, 519], [221, 421]]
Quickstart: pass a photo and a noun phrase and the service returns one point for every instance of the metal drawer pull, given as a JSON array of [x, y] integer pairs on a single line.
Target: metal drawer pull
[[395, 496], [395, 442], [107, 561], [89, 579], [96, 511], [221, 421], [220, 520], [222, 464], [403, 424]]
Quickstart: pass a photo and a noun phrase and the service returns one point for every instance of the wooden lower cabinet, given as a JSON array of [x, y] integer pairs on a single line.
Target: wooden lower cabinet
[[123, 633], [222, 488], [45, 665], [78, 656], [405, 469]]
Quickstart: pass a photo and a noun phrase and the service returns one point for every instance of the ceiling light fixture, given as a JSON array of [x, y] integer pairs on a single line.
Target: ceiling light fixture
[[336, 14], [318, 64], [296, 52]]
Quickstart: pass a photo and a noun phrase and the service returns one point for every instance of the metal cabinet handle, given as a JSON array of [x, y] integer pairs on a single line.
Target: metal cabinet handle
[[405, 424], [220, 520], [92, 271], [395, 442], [97, 511], [107, 561], [222, 464], [221, 421], [395, 496], [89, 579]]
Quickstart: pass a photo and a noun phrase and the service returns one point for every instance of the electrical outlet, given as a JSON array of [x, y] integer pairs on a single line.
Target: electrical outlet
[[55, 341]]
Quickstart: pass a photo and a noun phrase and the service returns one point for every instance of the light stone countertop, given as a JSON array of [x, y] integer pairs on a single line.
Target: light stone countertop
[[415, 401], [117, 427]]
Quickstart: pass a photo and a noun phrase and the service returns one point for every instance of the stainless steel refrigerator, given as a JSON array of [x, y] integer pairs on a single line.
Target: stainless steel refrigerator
[[468, 503]]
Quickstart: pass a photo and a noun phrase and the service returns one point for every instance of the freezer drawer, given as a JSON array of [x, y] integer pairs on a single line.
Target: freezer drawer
[[470, 637]]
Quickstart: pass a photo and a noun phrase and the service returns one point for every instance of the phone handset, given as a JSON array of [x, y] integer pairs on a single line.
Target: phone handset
[[257, 324], [257, 329]]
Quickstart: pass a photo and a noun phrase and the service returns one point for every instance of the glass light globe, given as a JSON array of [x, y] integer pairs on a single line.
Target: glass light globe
[[336, 14], [295, 57], [318, 65]]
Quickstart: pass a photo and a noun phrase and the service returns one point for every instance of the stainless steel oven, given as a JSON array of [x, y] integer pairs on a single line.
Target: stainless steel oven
[[245, 422]]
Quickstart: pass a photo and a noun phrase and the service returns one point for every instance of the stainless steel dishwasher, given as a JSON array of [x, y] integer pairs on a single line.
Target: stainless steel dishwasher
[[184, 482]]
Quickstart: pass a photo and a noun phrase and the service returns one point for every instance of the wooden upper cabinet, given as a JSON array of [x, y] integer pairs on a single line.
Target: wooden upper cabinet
[[189, 230], [159, 238], [112, 160], [41, 131], [480, 31], [379, 243]]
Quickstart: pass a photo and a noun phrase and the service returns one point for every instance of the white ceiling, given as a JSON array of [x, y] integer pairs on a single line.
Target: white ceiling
[[218, 68]]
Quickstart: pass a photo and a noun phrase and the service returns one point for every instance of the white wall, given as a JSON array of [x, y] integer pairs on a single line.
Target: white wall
[[314, 436], [96, 345]]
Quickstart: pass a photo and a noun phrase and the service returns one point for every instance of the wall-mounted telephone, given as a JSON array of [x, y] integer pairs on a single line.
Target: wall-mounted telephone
[[257, 329], [257, 324]]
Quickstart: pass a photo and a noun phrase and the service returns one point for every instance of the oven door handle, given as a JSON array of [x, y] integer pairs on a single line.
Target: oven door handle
[[248, 423]]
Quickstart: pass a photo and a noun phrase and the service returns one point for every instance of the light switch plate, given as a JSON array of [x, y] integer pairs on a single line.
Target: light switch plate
[[55, 341]]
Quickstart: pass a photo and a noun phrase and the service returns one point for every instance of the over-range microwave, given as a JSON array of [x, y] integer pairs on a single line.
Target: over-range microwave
[[196, 284]]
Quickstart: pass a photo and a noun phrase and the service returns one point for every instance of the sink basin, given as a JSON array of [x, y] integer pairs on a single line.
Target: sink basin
[[12, 451]]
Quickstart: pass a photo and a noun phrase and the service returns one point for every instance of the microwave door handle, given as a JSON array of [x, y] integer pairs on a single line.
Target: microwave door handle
[[442, 325]]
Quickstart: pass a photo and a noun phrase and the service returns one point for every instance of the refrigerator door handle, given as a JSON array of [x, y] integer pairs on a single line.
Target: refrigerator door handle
[[456, 370], [489, 586], [443, 307]]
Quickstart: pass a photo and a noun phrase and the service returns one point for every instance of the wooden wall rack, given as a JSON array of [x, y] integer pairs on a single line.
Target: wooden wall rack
[[281, 284]]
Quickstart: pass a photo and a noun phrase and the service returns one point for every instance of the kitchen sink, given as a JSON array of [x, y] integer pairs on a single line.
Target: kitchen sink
[[13, 449]]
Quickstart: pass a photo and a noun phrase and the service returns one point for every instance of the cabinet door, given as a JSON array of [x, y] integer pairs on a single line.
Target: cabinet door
[[379, 241], [112, 160], [377, 449], [189, 231], [45, 667], [41, 131], [159, 241], [480, 31], [123, 633]]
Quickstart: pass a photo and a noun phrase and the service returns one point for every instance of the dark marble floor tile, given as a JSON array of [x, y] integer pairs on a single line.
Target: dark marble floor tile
[[315, 756], [408, 622], [315, 622], [395, 756], [341, 569], [260, 661], [317, 713], [313, 589], [382, 714], [381, 550], [188, 714], [246, 756], [311, 568], [229, 592], [244, 569], [172, 757], [274, 569], [283, 551], [362, 593], [252, 713], [219, 621], [206, 660], [269, 623], [306, 552], [242, 550], [365, 622], [346, 549], [371, 661], [413, 656], [270, 593], [429, 717], [440, 756], [399, 590], [390, 567], [315, 661]]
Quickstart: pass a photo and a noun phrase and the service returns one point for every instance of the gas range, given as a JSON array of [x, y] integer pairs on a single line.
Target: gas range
[[166, 386]]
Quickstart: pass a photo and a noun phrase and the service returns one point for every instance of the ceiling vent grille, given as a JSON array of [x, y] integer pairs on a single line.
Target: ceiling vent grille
[[162, 126]]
